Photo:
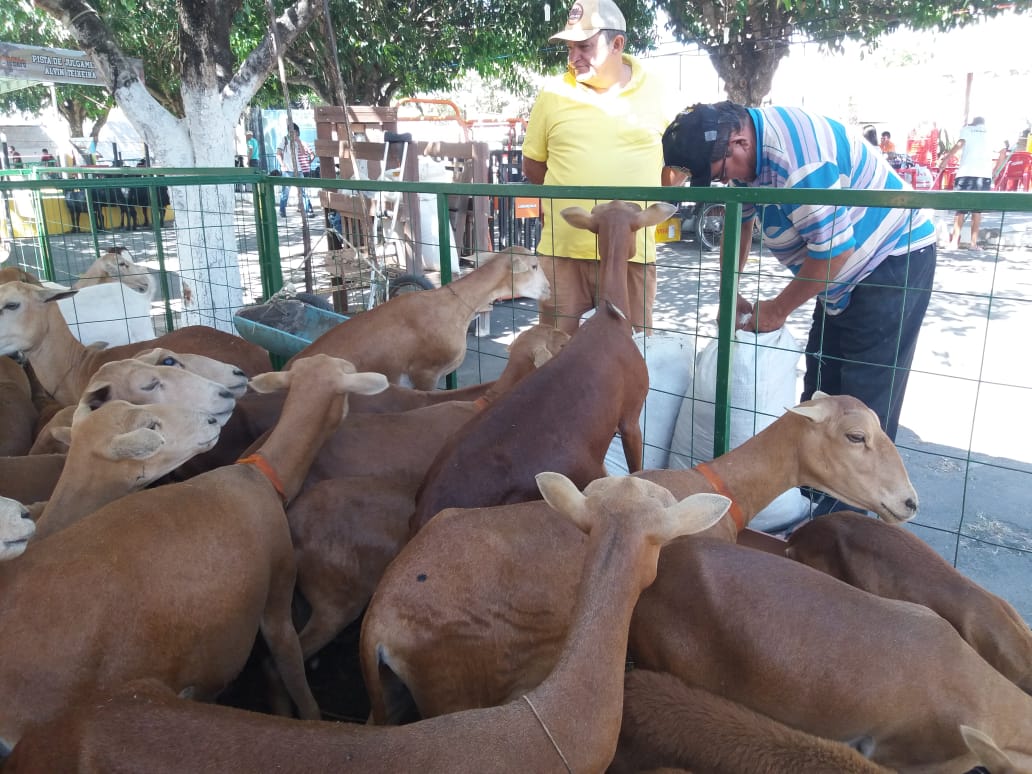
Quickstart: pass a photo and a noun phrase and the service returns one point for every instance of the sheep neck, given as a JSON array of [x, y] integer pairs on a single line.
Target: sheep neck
[[58, 359], [481, 286], [596, 644], [774, 450], [74, 498], [311, 413], [615, 240]]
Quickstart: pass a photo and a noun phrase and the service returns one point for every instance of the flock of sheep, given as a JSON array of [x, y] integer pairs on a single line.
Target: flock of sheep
[[165, 502]]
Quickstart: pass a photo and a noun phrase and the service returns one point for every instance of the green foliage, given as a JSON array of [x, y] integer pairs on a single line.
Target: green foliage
[[146, 30], [20, 22], [746, 39], [388, 49]]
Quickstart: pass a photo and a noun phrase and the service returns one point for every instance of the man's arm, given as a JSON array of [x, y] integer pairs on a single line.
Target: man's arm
[[534, 170], [812, 278], [670, 176], [950, 153]]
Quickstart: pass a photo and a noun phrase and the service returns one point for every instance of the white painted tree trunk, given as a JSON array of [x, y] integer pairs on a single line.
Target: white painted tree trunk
[[207, 245], [214, 96]]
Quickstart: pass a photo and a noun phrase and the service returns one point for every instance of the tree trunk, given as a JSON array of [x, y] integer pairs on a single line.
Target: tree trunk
[[747, 70], [214, 97], [74, 112]]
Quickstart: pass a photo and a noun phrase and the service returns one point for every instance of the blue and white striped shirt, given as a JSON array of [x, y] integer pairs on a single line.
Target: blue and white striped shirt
[[797, 149]]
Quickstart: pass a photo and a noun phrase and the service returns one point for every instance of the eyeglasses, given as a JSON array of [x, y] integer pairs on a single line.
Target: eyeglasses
[[722, 175]]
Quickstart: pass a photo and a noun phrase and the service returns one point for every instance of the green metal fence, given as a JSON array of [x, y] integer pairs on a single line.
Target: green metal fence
[[964, 424]]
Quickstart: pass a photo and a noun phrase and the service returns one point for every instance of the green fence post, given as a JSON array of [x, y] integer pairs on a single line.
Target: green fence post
[[451, 381], [267, 235], [726, 325]]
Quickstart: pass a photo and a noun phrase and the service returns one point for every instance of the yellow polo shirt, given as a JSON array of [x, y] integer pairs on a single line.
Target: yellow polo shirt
[[587, 138]]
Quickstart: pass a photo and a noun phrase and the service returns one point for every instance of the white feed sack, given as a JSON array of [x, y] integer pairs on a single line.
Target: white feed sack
[[763, 384], [670, 358]]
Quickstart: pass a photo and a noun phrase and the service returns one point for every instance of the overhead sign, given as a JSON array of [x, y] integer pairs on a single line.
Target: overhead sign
[[51, 65]]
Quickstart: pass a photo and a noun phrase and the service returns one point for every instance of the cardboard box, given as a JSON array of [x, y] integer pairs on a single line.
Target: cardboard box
[[669, 230]]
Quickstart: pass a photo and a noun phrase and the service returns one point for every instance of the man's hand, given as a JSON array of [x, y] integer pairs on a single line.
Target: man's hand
[[764, 317], [743, 312]]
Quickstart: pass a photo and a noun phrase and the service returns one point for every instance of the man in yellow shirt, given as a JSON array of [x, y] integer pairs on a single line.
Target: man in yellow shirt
[[601, 123]]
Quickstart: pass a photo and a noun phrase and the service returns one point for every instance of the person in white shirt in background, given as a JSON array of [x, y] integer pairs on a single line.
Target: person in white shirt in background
[[975, 173]]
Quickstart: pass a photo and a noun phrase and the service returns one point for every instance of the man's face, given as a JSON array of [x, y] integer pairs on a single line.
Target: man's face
[[738, 161], [589, 58]]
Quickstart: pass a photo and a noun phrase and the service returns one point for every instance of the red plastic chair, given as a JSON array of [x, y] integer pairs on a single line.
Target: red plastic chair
[[947, 178], [1016, 174]]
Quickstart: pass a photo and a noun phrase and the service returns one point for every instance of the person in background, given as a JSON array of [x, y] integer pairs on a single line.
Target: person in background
[[975, 173], [886, 144], [287, 165], [46, 159], [871, 135], [599, 124], [252, 150], [869, 268], [14, 156]]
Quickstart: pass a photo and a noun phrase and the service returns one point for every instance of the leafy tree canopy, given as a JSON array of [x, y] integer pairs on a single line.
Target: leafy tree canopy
[[389, 49], [746, 39]]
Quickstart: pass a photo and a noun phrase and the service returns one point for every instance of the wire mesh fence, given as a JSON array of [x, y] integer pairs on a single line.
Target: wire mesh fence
[[220, 244]]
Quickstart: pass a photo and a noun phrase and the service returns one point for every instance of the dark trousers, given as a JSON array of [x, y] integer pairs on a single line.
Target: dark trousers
[[866, 351]]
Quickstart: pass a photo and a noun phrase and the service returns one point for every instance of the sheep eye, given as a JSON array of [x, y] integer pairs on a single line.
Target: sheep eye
[[10, 306], [151, 386], [170, 361], [856, 437]]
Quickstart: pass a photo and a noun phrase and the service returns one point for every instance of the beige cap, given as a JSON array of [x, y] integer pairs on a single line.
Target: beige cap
[[587, 17]]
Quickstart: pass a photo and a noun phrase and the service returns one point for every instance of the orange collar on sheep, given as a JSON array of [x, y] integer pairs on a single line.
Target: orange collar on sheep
[[735, 511], [266, 470]]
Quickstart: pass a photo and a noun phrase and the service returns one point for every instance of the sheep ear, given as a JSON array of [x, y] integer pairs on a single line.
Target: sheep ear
[[135, 445], [695, 513], [270, 381], [986, 750], [82, 410], [150, 356], [563, 497], [96, 397], [578, 217], [654, 214], [365, 383], [54, 292], [62, 434], [815, 410]]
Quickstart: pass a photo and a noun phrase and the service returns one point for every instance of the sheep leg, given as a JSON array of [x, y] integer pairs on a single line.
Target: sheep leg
[[281, 637], [633, 444], [329, 618]]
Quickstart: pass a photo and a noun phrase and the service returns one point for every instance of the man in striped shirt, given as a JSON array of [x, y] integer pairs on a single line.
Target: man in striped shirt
[[869, 268], [286, 156]]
